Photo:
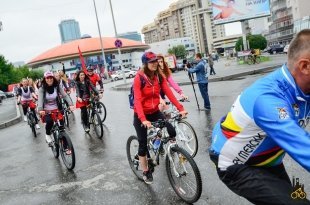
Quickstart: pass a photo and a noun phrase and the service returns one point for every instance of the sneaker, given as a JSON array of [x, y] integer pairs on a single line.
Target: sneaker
[[38, 126], [25, 118], [148, 177], [87, 129], [48, 139]]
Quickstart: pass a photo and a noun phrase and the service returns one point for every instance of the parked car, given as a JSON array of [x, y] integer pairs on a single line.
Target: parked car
[[119, 75], [2, 95], [273, 49], [285, 50], [9, 94]]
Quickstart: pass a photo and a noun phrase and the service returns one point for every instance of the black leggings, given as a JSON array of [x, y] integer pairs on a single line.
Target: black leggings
[[49, 124], [25, 109], [142, 131], [259, 185], [84, 115]]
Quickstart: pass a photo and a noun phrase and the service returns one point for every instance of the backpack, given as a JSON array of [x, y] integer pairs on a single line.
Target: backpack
[[131, 95]]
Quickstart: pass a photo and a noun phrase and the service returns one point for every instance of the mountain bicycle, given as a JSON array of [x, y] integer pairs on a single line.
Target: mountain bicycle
[[62, 143], [94, 117], [183, 173], [251, 60], [31, 119], [186, 136]]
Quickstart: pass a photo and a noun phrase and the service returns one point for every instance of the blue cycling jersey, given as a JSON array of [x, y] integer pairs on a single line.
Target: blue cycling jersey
[[266, 121]]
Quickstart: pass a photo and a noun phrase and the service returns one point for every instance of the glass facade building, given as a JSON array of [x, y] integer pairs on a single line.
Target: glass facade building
[[69, 30], [131, 36]]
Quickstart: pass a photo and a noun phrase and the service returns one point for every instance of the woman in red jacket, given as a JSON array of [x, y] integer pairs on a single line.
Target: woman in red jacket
[[146, 103]]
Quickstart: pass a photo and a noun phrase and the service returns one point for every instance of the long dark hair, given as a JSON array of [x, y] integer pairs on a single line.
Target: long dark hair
[[44, 83], [77, 78], [147, 71]]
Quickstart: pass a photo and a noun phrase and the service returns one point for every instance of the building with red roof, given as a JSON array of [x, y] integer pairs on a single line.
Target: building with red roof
[[68, 54]]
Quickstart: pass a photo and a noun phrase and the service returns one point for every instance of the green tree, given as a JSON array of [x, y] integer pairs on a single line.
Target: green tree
[[179, 51], [255, 41], [6, 73], [10, 75]]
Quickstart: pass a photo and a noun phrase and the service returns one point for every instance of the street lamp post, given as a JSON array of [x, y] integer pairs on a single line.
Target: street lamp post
[[102, 50], [119, 50]]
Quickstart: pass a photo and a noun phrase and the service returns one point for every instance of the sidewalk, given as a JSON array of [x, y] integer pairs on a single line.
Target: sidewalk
[[10, 113], [225, 70]]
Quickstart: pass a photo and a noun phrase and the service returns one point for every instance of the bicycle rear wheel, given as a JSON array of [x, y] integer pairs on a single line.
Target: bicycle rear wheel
[[102, 111], [67, 150], [184, 175], [258, 60], [96, 121], [250, 60], [187, 137], [132, 147]]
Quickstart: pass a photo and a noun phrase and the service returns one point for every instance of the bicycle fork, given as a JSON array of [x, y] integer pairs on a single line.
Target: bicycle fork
[[177, 174]]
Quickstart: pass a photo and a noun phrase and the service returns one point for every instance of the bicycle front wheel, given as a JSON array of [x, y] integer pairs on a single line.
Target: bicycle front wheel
[[102, 111], [96, 121], [132, 147], [32, 123], [184, 175], [66, 118], [67, 151], [187, 137], [55, 146]]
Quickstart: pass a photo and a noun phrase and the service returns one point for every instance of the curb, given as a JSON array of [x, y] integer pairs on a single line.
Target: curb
[[13, 121], [126, 87]]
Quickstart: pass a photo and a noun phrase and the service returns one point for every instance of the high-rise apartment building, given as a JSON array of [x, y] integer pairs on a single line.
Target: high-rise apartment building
[[131, 36], [69, 30], [283, 15], [151, 34], [185, 18]]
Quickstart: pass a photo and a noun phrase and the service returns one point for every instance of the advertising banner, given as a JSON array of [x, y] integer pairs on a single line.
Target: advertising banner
[[226, 11]]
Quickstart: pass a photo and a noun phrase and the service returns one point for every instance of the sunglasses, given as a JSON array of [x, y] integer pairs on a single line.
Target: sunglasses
[[49, 78]]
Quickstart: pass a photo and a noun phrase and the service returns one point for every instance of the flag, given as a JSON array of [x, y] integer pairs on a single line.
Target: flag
[[82, 61]]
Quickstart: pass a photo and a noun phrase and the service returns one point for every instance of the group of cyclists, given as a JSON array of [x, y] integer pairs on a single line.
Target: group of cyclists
[[49, 92], [248, 144]]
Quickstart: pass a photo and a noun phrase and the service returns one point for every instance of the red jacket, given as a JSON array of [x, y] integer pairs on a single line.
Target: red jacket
[[94, 79], [146, 100]]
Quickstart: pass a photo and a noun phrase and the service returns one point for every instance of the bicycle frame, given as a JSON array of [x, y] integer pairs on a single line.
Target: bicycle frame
[[165, 143]]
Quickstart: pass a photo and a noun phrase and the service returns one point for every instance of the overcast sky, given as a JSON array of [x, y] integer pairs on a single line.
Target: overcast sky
[[30, 27]]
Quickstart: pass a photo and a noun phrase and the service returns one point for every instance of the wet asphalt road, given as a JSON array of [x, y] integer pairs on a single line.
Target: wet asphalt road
[[31, 175]]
